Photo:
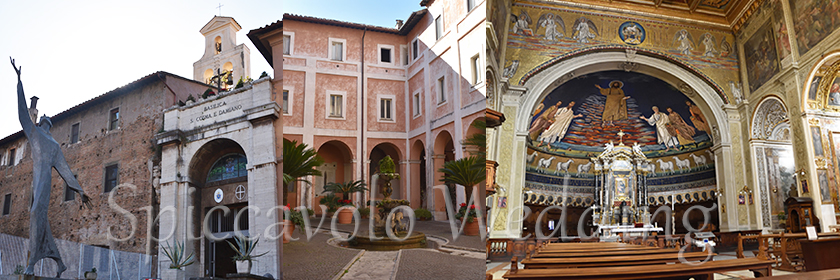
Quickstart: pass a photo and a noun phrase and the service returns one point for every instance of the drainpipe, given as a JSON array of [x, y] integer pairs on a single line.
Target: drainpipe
[[362, 100]]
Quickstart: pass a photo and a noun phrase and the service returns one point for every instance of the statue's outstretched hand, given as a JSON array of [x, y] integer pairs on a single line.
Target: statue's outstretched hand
[[86, 201], [17, 69]]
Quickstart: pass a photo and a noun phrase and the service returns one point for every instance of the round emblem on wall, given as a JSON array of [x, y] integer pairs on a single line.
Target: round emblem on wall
[[218, 195], [240, 192], [631, 33]]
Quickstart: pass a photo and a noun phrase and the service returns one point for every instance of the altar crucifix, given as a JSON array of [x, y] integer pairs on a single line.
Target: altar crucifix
[[621, 137]]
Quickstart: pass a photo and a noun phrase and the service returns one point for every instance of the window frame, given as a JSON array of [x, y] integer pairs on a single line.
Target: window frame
[[380, 47], [105, 177], [290, 99], [7, 204], [11, 158], [291, 43], [391, 111], [475, 64], [405, 57], [112, 120], [416, 99], [67, 190], [77, 129], [470, 7], [415, 49], [328, 107], [439, 27], [441, 87], [331, 52]]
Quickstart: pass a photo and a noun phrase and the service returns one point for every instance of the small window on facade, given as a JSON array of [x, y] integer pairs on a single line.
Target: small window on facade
[[385, 108], [338, 48], [7, 204], [336, 102], [12, 157], [470, 5], [417, 104], [438, 27], [415, 49], [285, 101], [74, 133], [476, 69], [287, 44], [442, 90], [404, 55], [385, 55], [111, 177], [69, 194], [114, 120], [228, 167]]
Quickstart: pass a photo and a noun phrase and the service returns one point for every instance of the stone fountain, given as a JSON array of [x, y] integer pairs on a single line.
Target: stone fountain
[[391, 216]]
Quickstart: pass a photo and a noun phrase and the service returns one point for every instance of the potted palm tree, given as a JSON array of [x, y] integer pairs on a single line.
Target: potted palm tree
[[467, 172], [299, 161], [244, 250], [294, 219], [345, 189]]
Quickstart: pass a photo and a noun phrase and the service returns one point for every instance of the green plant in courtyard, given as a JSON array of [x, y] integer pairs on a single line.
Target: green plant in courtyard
[[331, 201], [296, 217], [421, 213], [478, 140], [176, 255], [467, 172], [244, 249], [468, 212], [364, 212], [299, 161], [346, 188]]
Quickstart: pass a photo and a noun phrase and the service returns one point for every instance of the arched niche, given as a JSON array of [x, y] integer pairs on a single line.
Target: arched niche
[[773, 160]]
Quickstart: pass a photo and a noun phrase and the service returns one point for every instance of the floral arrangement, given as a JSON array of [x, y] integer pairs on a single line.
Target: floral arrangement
[[295, 216], [462, 212]]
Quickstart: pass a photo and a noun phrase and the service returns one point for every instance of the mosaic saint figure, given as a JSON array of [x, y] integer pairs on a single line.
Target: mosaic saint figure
[[684, 132], [686, 42], [662, 123], [709, 43], [558, 129], [46, 155], [522, 23], [550, 22], [834, 95], [543, 121], [585, 29], [697, 118], [616, 107]]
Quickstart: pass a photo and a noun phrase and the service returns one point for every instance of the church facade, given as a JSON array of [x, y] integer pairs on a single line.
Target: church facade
[[356, 93], [730, 101]]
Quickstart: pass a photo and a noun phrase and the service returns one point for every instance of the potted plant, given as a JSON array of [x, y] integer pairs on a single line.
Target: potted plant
[[244, 250], [295, 218], [90, 274], [345, 189], [468, 217], [331, 201], [364, 212], [422, 214], [177, 259]]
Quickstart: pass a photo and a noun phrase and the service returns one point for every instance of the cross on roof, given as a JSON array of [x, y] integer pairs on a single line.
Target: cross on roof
[[220, 9], [621, 136]]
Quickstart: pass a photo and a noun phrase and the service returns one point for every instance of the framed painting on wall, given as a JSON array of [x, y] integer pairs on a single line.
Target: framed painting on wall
[[822, 179], [805, 188], [833, 98], [817, 138], [741, 199], [812, 90], [835, 150]]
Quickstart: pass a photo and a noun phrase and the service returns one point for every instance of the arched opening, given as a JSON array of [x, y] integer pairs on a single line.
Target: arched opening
[[337, 168], [444, 150], [418, 186], [217, 44], [219, 172], [228, 67], [208, 76], [475, 133], [378, 153], [774, 165]]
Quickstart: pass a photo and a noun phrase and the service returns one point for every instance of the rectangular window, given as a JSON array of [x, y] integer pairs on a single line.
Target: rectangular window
[[385, 108], [442, 90], [11, 157], [470, 5], [417, 104], [114, 120], [476, 69], [404, 50], [336, 102], [438, 27], [415, 49], [285, 101], [385, 55], [74, 133], [111, 177], [337, 51], [7, 204], [69, 194], [287, 44]]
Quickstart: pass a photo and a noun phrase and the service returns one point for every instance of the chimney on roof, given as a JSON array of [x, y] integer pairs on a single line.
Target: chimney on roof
[[400, 23]]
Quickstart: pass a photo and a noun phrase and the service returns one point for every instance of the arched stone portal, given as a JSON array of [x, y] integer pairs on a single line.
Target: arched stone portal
[[521, 102], [444, 150], [378, 153], [418, 175], [774, 174], [337, 168]]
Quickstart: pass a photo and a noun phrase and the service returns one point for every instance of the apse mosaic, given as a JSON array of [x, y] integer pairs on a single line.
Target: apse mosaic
[[577, 119]]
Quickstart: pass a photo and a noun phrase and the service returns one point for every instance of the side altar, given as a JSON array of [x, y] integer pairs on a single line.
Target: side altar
[[621, 190]]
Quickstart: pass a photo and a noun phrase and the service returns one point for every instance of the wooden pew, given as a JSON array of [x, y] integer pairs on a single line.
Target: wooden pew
[[609, 261], [578, 254], [584, 250], [704, 271]]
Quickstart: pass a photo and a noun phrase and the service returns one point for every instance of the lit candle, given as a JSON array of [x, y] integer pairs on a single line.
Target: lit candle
[[672, 202]]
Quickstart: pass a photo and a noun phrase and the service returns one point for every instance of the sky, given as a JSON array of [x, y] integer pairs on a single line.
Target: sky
[[373, 12], [73, 51]]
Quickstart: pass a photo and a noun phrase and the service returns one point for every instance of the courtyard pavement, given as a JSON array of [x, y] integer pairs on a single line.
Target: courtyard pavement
[[322, 258]]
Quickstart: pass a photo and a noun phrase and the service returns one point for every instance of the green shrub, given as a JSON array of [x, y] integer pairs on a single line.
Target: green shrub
[[421, 213], [364, 212]]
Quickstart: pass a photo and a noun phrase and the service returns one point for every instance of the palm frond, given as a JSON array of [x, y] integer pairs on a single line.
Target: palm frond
[[299, 161], [346, 188], [467, 172]]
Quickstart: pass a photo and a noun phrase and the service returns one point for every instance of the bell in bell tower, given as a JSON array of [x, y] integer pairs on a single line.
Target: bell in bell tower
[[221, 53]]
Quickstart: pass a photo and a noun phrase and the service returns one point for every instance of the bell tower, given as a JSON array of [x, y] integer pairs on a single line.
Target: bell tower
[[221, 53]]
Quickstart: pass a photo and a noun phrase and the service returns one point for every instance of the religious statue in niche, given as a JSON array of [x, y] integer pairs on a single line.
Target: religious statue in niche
[[557, 130], [46, 155], [663, 128], [522, 23], [616, 107], [550, 22], [686, 43], [585, 30]]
